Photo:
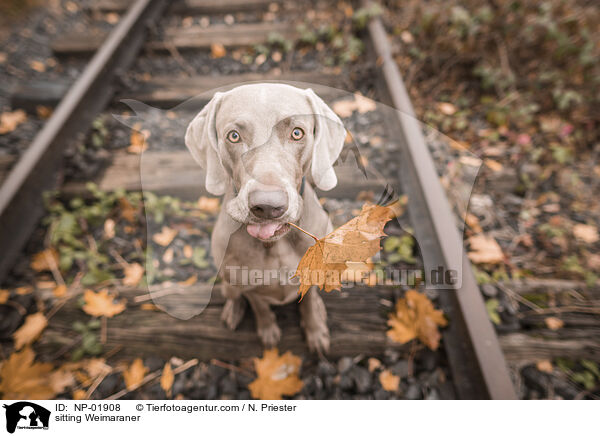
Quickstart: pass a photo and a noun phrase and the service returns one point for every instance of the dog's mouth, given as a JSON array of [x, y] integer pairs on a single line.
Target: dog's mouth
[[267, 231]]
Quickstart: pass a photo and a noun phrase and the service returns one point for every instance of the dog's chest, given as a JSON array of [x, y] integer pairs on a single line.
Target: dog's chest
[[264, 268]]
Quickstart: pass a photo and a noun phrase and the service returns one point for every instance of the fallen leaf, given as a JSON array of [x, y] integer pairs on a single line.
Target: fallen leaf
[[554, 323], [40, 261], [415, 317], [277, 376], [31, 329], [389, 381], [61, 379], [485, 249], [544, 366], [101, 304], [128, 212], [189, 281], [493, 165], [188, 251], [473, 222], [373, 364], [356, 241], [10, 120], [137, 141], [167, 378], [38, 66], [217, 50], [135, 373], [360, 103], [112, 18], [446, 108], [44, 112], [209, 204], [165, 237], [24, 290], [24, 379], [79, 394], [4, 295], [109, 228], [60, 291], [134, 272], [149, 307], [585, 233]]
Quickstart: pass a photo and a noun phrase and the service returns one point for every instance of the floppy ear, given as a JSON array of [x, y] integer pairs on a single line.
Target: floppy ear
[[201, 140], [329, 141]]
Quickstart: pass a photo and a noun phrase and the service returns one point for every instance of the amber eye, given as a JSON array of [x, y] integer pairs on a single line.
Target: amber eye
[[233, 136], [297, 134]]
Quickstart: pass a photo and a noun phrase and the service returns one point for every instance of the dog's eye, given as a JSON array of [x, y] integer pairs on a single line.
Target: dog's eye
[[297, 134], [233, 136]]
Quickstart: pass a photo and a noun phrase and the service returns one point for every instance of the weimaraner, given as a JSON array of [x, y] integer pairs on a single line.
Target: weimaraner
[[263, 146]]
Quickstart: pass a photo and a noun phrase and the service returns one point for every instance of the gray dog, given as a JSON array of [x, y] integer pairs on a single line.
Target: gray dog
[[264, 147]]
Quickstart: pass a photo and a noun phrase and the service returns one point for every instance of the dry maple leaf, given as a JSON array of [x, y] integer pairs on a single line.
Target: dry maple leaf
[[415, 317], [554, 323], [60, 291], [389, 381], [137, 140], [165, 237], [31, 329], [128, 212], [217, 50], [356, 241], [544, 366], [4, 295], [133, 274], [585, 233], [10, 120], [24, 379], [135, 373], [42, 261], [277, 375], [485, 249], [101, 304], [167, 378], [209, 204]]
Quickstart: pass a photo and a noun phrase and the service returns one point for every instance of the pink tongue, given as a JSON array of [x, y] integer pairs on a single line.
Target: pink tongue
[[263, 231]]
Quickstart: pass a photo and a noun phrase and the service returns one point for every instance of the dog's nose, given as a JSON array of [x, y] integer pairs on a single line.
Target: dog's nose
[[268, 204]]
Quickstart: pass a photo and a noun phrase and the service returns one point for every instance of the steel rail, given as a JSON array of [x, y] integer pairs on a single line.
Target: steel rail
[[21, 203], [477, 363]]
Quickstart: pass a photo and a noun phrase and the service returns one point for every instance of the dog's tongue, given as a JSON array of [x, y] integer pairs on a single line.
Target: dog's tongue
[[263, 231]]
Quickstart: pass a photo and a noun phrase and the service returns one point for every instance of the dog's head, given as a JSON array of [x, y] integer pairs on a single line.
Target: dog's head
[[261, 141]]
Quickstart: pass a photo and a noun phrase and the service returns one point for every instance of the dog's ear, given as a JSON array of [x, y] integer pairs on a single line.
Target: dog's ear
[[201, 140], [329, 141]]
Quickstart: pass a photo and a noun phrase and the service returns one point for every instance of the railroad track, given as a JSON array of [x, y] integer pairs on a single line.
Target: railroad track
[[476, 361]]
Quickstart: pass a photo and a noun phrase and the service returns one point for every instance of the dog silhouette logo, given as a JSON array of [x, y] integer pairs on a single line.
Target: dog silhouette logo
[[26, 415]]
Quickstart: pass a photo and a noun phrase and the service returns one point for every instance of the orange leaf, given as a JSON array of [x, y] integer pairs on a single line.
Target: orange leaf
[[167, 378], [40, 260], [355, 241], [277, 376], [135, 373], [101, 304], [10, 120], [165, 237], [31, 329], [389, 381], [415, 317], [24, 379], [217, 50], [133, 274], [485, 249]]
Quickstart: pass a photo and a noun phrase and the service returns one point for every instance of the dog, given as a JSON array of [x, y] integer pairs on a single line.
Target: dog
[[265, 147]]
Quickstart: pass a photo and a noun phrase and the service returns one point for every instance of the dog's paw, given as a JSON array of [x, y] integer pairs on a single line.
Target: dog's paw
[[269, 335], [233, 312], [317, 338]]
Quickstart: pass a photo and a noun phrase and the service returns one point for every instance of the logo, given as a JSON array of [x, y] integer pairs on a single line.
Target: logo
[[26, 415]]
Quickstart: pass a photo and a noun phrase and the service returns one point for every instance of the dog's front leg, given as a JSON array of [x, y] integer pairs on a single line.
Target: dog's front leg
[[266, 323], [314, 321]]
